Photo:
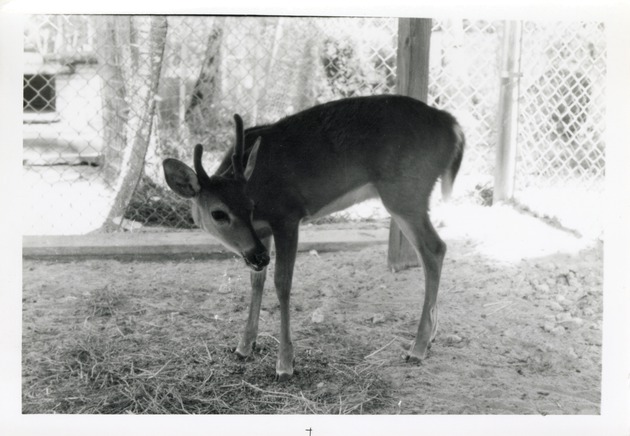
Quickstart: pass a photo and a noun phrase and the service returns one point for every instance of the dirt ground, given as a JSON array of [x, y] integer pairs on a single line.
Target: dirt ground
[[519, 333]]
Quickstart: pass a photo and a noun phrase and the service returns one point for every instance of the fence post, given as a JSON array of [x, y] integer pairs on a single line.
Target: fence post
[[412, 72], [508, 112]]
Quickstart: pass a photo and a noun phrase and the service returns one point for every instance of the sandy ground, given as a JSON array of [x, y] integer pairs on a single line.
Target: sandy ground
[[520, 318]]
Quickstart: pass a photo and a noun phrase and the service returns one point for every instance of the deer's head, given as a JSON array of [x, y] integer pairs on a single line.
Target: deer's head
[[219, 203]]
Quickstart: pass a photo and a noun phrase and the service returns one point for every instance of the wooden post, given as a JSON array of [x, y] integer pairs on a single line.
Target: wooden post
[[508, 113], [414, 40]]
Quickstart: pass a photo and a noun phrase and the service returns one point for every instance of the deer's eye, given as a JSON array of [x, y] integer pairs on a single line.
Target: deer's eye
[[220, 216]]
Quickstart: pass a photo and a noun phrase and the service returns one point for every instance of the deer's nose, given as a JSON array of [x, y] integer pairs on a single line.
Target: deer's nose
[[257, 260], [262, 258]]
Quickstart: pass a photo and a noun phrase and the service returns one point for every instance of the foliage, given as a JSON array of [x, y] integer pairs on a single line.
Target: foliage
[[154, 205]]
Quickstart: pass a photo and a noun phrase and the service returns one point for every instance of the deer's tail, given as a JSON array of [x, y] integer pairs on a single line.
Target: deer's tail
[[448, 177]]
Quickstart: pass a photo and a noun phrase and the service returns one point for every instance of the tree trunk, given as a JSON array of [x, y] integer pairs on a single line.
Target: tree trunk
[[138, 64], [308, 65], [113, 37], [414, 37], [262, 86], [200, 111]]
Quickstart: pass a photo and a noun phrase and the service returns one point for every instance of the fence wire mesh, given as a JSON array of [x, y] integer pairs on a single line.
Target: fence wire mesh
[[561, 149], [463, 79], [87, 79]]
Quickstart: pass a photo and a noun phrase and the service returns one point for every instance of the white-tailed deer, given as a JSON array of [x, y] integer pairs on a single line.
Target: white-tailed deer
[[316, 162]]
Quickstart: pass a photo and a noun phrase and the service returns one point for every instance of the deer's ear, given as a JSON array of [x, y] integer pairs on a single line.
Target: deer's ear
[[181, 178], [251, 161]]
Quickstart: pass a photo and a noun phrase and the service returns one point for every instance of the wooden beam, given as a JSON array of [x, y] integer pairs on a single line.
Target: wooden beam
[[414, 40]]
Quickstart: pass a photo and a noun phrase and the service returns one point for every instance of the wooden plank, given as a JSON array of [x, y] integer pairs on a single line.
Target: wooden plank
[[182, 244], [414, 42]]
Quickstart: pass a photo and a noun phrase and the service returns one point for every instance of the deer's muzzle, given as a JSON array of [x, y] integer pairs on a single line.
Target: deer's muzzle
[[256, 260]]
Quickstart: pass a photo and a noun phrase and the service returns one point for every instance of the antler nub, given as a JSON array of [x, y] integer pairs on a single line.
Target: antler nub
[[201, 173], [239, 149]]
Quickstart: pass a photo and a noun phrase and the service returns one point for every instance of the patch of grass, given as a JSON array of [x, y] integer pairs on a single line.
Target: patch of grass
[[98, 374], [105, 302], [127, 357]]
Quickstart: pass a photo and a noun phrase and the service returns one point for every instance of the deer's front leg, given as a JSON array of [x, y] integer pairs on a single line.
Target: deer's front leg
[[257, 278], [286, 239], [246, 344]]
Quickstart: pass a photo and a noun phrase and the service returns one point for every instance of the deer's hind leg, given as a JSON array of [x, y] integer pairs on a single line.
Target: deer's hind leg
[[409, 208]]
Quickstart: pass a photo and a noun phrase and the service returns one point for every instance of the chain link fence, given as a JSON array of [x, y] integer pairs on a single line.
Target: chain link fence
[[87, 77], [464, 80], [561, 147]]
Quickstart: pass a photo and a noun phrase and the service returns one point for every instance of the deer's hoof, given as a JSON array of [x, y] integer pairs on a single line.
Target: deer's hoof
[[415, 356], [284, 372], [242, 355], [413, 360], [283, 377]]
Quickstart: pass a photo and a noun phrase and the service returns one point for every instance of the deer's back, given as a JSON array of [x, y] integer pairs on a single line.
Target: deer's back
[[344, 145]]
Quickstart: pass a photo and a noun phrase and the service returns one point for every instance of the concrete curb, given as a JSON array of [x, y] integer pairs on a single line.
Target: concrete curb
[[193, 244]]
